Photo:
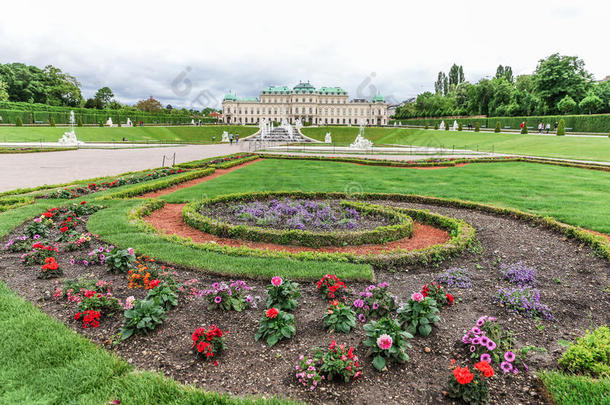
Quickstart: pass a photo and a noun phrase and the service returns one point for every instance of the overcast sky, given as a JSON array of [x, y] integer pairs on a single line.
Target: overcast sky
[[190, 53]]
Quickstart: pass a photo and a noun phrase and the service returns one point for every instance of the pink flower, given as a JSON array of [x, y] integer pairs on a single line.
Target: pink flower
[[130, 250], [277, 281], [384, 342], [129, 302], [419, 297]]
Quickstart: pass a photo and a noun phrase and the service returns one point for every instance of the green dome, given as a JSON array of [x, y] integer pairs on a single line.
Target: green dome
[[304, 88], [230, 97], [277, 90], [378, 99]]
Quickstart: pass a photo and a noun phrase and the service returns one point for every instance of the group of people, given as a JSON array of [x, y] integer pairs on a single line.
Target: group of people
[[545, 127], [234, 138]]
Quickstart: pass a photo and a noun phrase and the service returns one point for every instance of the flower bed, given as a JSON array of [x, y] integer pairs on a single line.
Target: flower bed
[[249, 204]]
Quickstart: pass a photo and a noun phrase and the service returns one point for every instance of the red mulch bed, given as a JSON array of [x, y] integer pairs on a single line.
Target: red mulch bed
[[169, 220], [194, 182]]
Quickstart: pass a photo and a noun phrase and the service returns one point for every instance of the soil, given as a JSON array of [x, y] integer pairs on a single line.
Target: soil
[[169, 220], [225, 213], [571, 278]]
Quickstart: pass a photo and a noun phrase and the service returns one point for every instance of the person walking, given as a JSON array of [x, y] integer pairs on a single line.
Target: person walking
[[548, 127], [231, 138], [556, 125], [236, 139], [540, 127], [522, 125]]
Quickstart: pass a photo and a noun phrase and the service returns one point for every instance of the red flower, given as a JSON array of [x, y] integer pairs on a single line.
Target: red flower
[[463, 375], [64, 229], [272, 313], [83, 202], [450, 299], [154, 283], [485, 368]]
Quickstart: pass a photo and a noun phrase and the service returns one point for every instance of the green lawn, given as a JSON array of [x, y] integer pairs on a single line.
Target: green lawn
[[582, 148], [571, 195], [201, 134]]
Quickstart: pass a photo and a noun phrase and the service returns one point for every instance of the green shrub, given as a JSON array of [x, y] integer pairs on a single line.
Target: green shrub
[[164, 295], [435, 126], [119, 124], [79, 122], [446, 126], [477, 126], [282, 294], [426, 127], [274, 326], [339, 317], [459, 126], [100, 124], [524, 129], [52, 121], [561, 128], [389, 333], [497, 128], [589, 354], [418, 317], [144, 316], [18, 122], [120, 260]]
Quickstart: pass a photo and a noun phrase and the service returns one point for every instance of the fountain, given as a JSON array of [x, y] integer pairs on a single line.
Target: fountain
[[327, 138], [109, 122], [69, 138], [442, 125], [225, 137], [283, 133], [455, 126], [361, 142]]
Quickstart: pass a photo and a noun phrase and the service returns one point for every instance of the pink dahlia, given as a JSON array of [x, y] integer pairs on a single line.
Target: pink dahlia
[[419, 297], [384, 342], [277, 281]]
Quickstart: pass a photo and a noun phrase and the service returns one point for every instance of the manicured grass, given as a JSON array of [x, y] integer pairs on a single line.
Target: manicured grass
[[575, 390], [201, 134], [44, 362], [112, 225], [574, 196], [580, 148]]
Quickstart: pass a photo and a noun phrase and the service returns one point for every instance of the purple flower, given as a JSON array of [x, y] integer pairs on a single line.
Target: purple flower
[[491, 345], [358, 303], [218, 299], [481, 321], [476, 341], [375, 305], [361, 318], [486, 357], [36, 236], [476, 330], [506, 366], [509, 356], [483, 340], [472, 348]]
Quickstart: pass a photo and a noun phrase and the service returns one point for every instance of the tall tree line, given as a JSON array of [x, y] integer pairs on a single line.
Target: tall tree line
[[559, 85]]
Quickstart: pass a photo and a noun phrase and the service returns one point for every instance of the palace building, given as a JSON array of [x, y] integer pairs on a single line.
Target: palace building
[[323, 106]]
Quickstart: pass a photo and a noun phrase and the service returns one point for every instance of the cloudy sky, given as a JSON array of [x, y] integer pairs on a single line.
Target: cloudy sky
[[190, 53]]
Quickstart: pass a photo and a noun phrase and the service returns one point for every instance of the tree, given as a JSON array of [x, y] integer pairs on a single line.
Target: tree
[[566, 105], [3, 92], [477, 126], [18, 122], [454, 75], [591, 103], [500, 72], [79, 122], [438, 85], [114, 105], [558, 76], [149, 105], [461, 75], [169, 107], [52, 121], [524, 129], [93, 103], [104, 95], [561, 128], [497, 128]]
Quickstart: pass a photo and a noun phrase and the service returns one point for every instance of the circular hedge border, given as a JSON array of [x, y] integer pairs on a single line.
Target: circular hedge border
[[403, 228]]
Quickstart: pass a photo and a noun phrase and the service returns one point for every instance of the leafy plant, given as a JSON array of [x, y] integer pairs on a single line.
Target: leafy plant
[[376, 301], [18, 122], [307, 373], [232, 296], [477, 126], [339, 317], [387, 342], [145, 315], [338, 362], [275, 326], [164, 295], [589, 354], [282, 294], [50, 269], [39, 226], [561, 128], [418, 315], [39, 254], [103, 303], [120, 260]]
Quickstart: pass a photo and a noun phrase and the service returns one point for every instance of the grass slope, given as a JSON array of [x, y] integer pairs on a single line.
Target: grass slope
[[581, 148], [201, 134], [112, 225], [575, 390], [575, 196], [44, 362]]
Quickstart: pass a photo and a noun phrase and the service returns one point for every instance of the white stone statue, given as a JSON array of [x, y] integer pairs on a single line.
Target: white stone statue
[[455, 126], [225, 137], [442, 125], [361, 142], [192, 122], [129, 123], [327, 138], [109, 122], [394, 123]]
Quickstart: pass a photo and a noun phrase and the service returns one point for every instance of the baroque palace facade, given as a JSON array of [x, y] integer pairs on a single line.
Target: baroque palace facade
[[323, 106]]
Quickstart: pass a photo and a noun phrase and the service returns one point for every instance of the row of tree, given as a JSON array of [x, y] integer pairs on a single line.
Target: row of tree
[[51, 86], [560, 84]]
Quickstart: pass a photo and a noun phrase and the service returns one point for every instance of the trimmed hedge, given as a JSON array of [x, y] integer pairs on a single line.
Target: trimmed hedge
[[158, 184], [7, 204], [379, 235], [216, 161], [33, 150], [233, 163], [577, 123]]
